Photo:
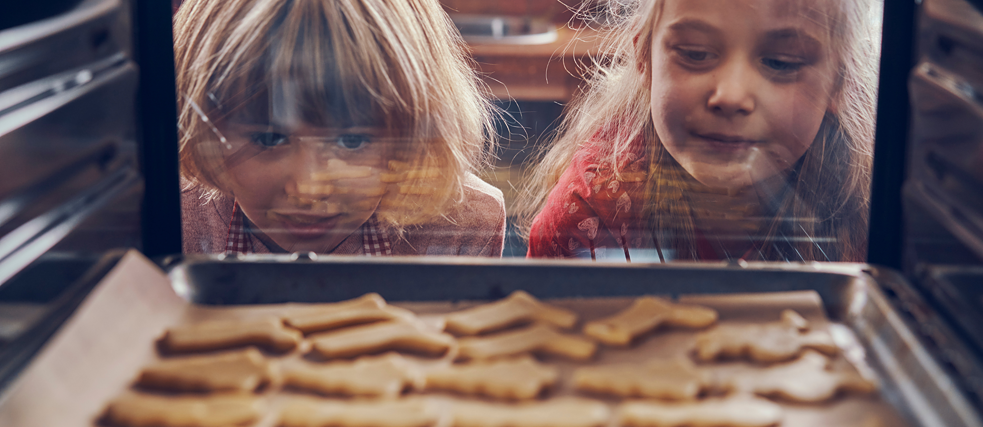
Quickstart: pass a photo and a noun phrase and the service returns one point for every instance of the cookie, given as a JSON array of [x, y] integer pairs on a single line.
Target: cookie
[[561, 412], [145, 410], [536, 338], [379, 413], [646, 314], [365, 309], [517, 308], [675, 379], [520, 378], [807, 379], [377, 376], [391, 335], [738, 411], [768, 342], [238, 371], [267, 332]]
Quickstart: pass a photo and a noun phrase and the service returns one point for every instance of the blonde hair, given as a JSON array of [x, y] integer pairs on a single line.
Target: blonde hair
[[830, 184], [398, 64]]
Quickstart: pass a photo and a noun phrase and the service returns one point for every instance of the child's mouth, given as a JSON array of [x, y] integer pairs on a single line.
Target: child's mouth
[[725, 142]]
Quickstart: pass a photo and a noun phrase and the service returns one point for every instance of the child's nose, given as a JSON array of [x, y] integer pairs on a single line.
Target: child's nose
[[732, 93], [301, 164]]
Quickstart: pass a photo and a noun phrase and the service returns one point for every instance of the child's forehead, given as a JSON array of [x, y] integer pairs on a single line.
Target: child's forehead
[[808, 15]]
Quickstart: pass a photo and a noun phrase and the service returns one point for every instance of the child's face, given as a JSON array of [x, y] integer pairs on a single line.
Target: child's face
[[305, 188], [740, 87]]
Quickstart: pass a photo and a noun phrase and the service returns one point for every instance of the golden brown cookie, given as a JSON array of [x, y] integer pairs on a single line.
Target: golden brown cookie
[[520, 378], [646, 314], [411, 412], [536, 338], [660, 379], [807, 379], [517, 308], [321, 317], [737, 411], [241, 371], [394, 335], [380, 376], [267, 332], [145, 410], [767, 342], [560, 412]]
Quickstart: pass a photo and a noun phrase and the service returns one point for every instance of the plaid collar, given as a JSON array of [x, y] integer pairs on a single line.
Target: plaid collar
[[375, 241]]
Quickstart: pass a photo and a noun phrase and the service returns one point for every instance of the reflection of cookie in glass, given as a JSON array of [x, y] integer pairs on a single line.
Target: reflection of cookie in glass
[[767, 342]]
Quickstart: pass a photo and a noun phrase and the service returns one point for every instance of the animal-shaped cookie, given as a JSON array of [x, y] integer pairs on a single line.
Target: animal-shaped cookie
[[381, 376], [321, 317], [737, 411], [267, 332], [536, 338], [391, 335], [517, 308], [411, 412], [660, 379], [241, 371], [145, 410], [646, 314], [768, 342], [807, 379], [560, 412], [520, 378]]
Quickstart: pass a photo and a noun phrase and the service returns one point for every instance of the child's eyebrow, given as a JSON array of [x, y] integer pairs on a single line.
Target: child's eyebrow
[[690, 24], [792, 35]]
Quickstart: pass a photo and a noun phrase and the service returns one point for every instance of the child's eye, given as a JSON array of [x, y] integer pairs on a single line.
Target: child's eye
[[695, 55], [352, 141], [781, 65], [267, 139]]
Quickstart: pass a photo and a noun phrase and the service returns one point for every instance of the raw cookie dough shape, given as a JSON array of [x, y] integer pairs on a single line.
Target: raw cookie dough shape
[[517, 308], [378, 376], [395, 335], [768, 342], [537, 338], [321, 317], [520, 378], [144, 410], [413, 412], [738, 411], [676, 379], [267, 332], [808, 379], [237, 371], [560, 412], [646, 314]]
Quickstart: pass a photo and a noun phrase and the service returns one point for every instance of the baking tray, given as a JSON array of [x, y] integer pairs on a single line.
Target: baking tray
[[912, 381], [133, 310]]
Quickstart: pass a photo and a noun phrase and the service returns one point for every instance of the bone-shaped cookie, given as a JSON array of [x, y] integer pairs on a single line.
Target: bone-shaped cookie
[[807, 379], [560, 412], [413, 412], [365, 309], [395, 335], [145, 410], [660, 379], [768, 342], [267, 332], [242, 371], [519, 307], [536, 338], [383, 376], [646, 314], [738, 411], [520, 378]]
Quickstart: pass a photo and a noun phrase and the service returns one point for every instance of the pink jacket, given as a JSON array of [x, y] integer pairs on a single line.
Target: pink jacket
[[475, 228]]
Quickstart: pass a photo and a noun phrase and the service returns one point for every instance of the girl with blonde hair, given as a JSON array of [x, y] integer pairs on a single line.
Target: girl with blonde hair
[[332, 126], [717, 129]]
